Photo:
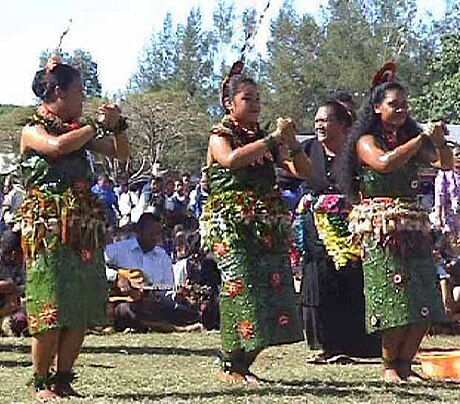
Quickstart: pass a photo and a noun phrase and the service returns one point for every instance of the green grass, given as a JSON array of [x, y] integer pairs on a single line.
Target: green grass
[[179, 368]]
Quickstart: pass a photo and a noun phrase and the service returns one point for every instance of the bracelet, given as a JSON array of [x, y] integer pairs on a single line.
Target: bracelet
[[270, 142]]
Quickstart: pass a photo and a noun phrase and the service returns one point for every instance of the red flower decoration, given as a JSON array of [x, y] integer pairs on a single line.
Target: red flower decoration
[[221, 249], [284, 320], [33, 323], [234, 287], [49, 314], [275, 280], [86, 255], [246, 329]]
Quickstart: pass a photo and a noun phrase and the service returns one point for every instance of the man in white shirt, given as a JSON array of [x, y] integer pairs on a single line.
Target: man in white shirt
[[127, 202], [158, 310]]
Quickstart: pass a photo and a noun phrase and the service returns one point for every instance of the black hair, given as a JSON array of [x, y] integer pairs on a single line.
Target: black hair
[[348, 169], [45, 82], [341, 113], [344, 96], [147, 216], [234, 86]]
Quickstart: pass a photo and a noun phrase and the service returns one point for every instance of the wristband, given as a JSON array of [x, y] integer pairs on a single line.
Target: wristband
[[271, 142]]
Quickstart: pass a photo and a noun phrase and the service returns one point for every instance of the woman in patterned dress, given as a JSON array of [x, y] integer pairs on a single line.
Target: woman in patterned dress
[[247, 227], [380, 171], [63, 225]]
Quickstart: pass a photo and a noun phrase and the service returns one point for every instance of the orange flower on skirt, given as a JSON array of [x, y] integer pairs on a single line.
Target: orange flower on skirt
[[234, 287], [33, 323], [49, 314], [246, 329], [221, 249]]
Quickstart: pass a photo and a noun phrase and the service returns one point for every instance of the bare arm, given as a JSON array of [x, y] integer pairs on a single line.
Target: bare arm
[[36, 138], [297, 162], [386, 161], [221, 151]]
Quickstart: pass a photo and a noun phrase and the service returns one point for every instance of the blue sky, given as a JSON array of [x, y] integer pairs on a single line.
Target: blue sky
[[114, 31]]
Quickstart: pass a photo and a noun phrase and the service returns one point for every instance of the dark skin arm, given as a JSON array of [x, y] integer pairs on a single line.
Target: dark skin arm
[[384, 161], [36, 138], [221, 151], [114, 146]]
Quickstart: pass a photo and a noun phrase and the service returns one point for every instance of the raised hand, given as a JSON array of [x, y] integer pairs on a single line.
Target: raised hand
[[109, 115], [437, 132], [288, 131]]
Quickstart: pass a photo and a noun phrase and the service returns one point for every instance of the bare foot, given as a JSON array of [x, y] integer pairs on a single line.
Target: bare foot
[[231, 377], [391, 376], [45, 395]]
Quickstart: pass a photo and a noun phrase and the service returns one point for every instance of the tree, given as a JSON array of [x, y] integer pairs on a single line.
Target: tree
[[83, 61], [440, 99], [166, 126], [158, 64], [292, 80]]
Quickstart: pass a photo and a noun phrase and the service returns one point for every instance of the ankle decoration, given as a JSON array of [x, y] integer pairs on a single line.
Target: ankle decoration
[[40, 382], [63, 378]]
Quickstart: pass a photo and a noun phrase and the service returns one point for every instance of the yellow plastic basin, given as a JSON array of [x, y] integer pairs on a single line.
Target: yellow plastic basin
[[441, 364]]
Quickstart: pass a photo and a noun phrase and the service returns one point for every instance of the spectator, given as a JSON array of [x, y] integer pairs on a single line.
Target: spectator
[[186, 182], [169, 196], [106, 194], [152, 198], [12, 282], [127, 202], [158, 310], [13, 196], [199, 196], [181, 201]]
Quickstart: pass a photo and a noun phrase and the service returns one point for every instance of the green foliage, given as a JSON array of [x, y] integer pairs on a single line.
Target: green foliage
[[12, 119], [441, 97]]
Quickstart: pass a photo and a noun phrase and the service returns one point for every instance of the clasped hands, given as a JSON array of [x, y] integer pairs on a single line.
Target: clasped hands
[[437, 132], [285, 132], [109, 115]]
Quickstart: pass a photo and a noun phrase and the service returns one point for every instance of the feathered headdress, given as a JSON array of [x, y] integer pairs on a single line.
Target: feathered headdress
[[387, 73]]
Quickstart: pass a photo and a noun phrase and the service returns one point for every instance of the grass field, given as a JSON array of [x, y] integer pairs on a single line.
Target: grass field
[[180, 368]]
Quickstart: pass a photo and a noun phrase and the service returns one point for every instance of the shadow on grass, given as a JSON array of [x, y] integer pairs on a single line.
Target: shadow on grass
[[14, 348], [123, 349], [15, 364], [333, 389], [147, 350]]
